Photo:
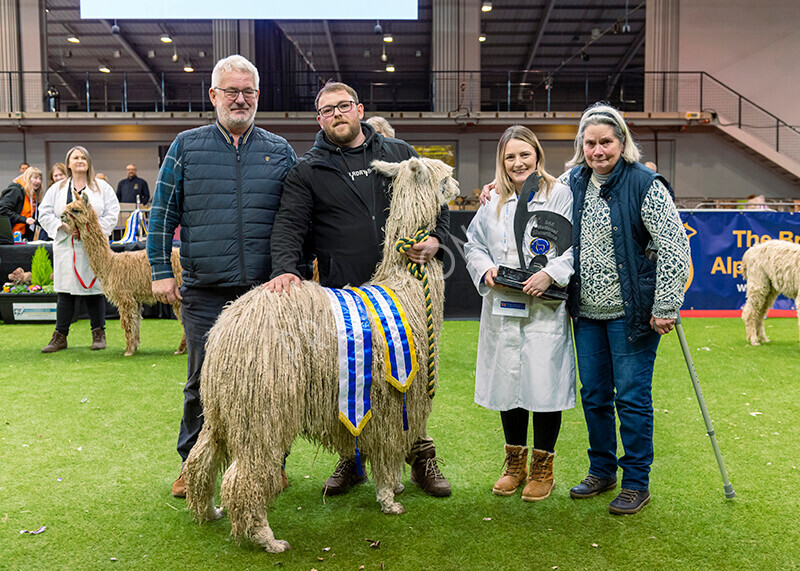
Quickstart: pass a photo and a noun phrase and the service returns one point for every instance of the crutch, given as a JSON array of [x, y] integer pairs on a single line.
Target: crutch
[[726, 484]]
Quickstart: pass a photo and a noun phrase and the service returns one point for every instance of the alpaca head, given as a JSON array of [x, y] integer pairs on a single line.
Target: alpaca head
[[421, 186], [79, 213]]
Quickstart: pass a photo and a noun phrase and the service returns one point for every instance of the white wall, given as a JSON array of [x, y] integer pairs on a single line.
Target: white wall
[[750, 46]]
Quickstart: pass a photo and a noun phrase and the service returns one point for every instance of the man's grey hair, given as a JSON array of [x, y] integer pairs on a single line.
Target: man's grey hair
[[233, 63], [603, 114]]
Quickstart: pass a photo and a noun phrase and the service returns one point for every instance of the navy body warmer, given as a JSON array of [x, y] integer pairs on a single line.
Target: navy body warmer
[[624, 191], [230, 198]]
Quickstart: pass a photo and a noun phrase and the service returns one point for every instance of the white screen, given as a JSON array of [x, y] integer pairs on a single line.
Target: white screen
[[250, 10]]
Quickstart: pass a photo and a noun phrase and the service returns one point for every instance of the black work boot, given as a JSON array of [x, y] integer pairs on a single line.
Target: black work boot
[[629, 501], [344, 477], [591, 486]]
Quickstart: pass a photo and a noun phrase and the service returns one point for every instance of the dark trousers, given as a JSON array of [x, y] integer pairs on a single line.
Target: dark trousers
[[199, 311], [546, 426], [65, 310]]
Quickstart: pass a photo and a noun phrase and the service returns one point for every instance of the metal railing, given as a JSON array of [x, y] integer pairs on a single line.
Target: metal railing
[[457, 92]]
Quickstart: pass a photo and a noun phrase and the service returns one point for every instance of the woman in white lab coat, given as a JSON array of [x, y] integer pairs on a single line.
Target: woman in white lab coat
[[525, 361], [72, 275]]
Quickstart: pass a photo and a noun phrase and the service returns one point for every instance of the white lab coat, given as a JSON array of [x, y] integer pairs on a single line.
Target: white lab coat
[[106, 205], [523, 362]]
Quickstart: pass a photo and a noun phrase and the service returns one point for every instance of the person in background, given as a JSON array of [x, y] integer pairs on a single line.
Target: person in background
[[337, 201], [18, 202], [216, 184], [132, 186], [72, 274], [525, 362], [621, 298], [58, 172], [101, 176], [651, 165], [381, 126], [23, 166]]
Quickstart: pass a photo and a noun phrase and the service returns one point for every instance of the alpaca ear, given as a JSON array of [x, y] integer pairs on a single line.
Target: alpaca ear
[[85, 197], [387, 169]]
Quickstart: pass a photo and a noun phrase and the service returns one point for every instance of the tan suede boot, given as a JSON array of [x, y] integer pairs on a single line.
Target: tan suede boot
[[515, 471], [540, 480]]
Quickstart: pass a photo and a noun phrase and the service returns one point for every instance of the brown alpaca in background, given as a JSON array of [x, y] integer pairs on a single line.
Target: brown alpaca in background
[[770, 268], [271, 373], [125, 276]]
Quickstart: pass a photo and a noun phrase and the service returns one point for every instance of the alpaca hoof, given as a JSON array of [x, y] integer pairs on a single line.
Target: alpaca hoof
[[398, 488], [129, 353], [755, 343], [277, 546], [180, 352], [394, 509], [215, 514]]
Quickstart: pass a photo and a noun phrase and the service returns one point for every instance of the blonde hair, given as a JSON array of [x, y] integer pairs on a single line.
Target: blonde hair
[[603, 114], [56, 166], [90, 176], [503, 183], [24, 180], [381, 125]]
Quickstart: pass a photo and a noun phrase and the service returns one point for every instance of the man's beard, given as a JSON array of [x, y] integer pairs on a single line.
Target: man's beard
[[234, 123], [343, 141]]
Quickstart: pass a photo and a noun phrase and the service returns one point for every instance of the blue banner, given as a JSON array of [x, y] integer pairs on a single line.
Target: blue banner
[[718, 240]]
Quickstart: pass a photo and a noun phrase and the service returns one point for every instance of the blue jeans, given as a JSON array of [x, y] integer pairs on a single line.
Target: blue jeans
[[617, 372]]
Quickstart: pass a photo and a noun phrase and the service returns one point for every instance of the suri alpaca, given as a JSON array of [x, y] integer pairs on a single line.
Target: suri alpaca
[[125, 276], [770, 268], [271, 373]]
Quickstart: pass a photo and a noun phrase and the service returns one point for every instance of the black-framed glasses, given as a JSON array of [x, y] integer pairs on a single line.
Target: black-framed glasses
[[232, 94], [343, 107]]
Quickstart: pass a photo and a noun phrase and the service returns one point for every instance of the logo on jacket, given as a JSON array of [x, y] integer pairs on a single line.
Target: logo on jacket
[[266, 158]]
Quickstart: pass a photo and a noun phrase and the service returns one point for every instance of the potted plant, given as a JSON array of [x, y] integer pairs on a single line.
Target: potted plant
[[29, 296]]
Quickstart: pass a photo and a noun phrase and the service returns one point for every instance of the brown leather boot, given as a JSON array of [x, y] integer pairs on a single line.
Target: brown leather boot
[[344, 477], [540, 478], [515, 473], [426, 474], [57, 343], [98, 339]]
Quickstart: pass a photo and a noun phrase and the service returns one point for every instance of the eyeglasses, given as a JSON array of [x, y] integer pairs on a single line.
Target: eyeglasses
[[233, 94], [343, 107]]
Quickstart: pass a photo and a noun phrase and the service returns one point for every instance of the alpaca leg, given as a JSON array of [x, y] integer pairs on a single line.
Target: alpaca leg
[[176, 308], [797, 307], [387, 480], [200, 471], [246, 491], [770, 300], [126, 323], [755, 307], [136, 324]]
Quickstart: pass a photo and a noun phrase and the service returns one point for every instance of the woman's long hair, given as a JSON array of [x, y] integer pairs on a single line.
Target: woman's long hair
[[603, 114], [90, 175], [503, 183], [56, 166], [24, 180]]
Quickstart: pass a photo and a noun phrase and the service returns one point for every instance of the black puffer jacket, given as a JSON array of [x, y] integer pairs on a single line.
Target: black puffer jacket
[[323, 213]]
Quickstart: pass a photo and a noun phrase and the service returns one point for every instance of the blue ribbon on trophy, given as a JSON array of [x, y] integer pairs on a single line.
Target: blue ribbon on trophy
[[540, 236]]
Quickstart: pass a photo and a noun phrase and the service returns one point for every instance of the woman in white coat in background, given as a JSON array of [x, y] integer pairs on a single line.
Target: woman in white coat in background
[[72, 275], [525, 362]]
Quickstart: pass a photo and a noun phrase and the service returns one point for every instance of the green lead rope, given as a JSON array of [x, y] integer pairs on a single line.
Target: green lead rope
[[420, 272]]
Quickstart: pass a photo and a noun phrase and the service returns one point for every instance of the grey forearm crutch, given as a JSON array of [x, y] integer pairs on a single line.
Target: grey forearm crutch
[[729, 493]]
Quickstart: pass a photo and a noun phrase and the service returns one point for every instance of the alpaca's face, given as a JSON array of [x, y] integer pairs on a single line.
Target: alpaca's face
[[76, 214]]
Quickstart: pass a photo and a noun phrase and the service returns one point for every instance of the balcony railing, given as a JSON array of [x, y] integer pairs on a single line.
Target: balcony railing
[[458, 92]]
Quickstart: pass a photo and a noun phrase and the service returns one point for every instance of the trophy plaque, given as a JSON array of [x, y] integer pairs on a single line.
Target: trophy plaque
[[540, 235]]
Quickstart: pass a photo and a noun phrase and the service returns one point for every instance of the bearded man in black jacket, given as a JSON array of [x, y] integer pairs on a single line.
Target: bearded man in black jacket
[[334, 206]]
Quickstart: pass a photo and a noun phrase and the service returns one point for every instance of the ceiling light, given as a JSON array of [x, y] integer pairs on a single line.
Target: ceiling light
[[73, 39], [367, 52], [117, 54], [166, 38], [390, 67], [104, 68], [482, 38], [174, 53], [486, 7], [187, 67], [418, 53], [377, 29], [388, 38], [151, 54]]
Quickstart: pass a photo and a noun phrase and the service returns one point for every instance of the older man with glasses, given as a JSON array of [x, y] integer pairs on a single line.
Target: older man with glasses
[[335, 207], [222, 184]]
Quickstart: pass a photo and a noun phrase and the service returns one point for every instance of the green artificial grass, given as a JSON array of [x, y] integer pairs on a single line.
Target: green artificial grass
[[87, 448]]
